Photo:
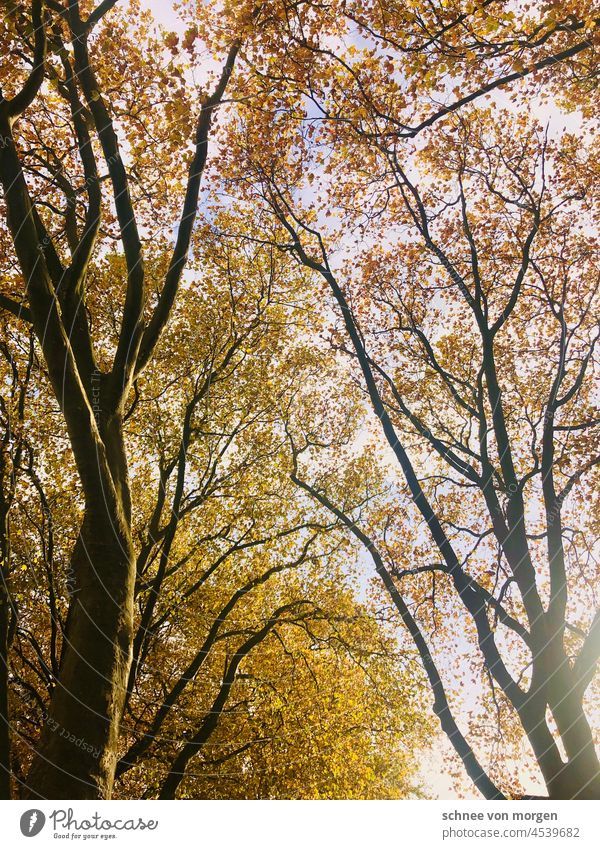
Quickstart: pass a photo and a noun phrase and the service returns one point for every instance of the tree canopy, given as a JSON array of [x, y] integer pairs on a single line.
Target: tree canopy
[[299, 410]]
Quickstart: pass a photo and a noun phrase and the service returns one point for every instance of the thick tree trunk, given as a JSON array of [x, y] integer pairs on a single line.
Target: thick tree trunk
[[580, 777], [577, 780], [76, 756]]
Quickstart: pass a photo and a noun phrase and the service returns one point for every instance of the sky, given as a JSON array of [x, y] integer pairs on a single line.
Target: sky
[[163, 12]]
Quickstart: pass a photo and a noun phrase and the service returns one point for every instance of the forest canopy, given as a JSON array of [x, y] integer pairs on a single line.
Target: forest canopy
[[300, 441]]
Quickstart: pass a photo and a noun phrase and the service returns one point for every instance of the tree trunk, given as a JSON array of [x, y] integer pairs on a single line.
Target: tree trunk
[[77, 753], [577, 780], [580, 777]]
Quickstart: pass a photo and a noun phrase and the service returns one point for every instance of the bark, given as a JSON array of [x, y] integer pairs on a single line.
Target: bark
[[77, 753], [579, 778], [76, 756], [85, 708]]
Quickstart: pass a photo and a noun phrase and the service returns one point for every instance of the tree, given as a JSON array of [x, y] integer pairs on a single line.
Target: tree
[[104, 139], [250, 648], [463, 270], [54, 241]]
